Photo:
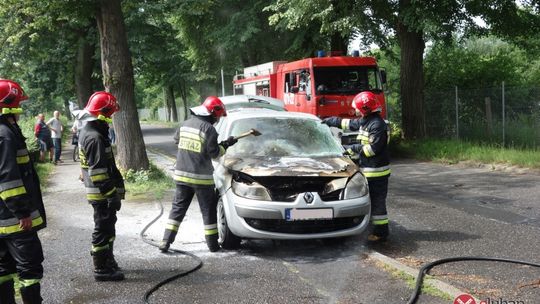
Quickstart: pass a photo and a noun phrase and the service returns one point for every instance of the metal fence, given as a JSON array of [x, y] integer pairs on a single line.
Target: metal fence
[[159, 114], [502, 115]]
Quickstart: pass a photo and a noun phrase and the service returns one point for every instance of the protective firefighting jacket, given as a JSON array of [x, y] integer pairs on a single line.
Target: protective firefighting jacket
[[101, 176], [20, 194], [373, 138], [197, 145]]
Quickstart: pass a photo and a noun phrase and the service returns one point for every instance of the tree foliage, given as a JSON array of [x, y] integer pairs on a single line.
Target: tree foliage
[[412, 23]]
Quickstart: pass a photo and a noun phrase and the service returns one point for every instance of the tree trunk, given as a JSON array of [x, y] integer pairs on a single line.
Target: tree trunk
[[172, 113], [118, 80], [412, 82], [183, 95], [338, 44], [83, 68], [173, 104], [167, 99]]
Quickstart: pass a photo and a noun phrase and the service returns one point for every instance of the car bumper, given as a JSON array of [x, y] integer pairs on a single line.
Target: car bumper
[[249, 218]]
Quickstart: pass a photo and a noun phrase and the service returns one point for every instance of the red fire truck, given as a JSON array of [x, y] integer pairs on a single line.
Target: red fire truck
[[323, 85]]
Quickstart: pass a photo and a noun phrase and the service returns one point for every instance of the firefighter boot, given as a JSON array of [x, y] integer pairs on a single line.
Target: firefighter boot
[[212, 242], [102, 270], [7, 293], [31, 294], [111, 261], [164, 246], [379, 234]]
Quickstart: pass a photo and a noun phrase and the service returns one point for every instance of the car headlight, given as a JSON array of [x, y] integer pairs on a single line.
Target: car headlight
[[356, 187], [253, 191]]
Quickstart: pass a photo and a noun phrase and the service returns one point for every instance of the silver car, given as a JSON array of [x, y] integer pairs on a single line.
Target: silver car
[[291, 182]]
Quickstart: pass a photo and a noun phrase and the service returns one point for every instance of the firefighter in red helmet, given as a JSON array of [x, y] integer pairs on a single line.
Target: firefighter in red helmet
[[372, 150], [103, 182], [197, 146], [21, 206]]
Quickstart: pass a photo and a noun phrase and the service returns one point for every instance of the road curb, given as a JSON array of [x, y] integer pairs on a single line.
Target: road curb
[[452, 291]]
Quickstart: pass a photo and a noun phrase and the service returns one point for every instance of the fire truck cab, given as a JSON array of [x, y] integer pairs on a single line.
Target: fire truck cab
[[324, 85]]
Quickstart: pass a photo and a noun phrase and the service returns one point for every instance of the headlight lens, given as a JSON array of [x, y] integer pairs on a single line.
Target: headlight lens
[[252, 191], [356, 187]]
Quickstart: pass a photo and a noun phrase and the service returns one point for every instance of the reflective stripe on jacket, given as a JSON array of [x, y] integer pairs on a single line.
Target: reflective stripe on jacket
[[20, 193], [373, 135], [100, 174]]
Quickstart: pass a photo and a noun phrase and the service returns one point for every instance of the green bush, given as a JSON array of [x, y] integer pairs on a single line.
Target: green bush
[[152, 181]]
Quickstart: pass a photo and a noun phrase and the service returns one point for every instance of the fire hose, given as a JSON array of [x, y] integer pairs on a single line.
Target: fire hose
[[154, 288]]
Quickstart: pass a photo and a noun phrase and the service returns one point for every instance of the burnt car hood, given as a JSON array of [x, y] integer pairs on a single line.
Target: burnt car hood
[[292, 166]]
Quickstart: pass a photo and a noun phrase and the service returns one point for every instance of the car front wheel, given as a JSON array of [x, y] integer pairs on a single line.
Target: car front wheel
[[227, 239]]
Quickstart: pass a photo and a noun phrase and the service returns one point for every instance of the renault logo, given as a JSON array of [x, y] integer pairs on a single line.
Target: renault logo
[[308, 197]]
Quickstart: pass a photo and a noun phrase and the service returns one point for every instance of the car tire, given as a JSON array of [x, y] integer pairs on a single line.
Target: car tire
[[227, 239]]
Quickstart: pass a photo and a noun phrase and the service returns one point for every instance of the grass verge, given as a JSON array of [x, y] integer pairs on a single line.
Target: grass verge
[[147, 182], [427, 288], [43, 170], [453, 151]]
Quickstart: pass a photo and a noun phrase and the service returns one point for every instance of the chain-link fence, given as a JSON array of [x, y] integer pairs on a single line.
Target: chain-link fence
[[503, 115]]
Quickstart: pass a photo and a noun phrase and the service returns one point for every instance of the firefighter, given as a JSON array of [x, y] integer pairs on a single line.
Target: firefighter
[[373, 156], [103, 182], [22, 212], [197, 146]]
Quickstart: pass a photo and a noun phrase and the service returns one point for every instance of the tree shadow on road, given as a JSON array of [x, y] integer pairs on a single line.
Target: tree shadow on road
[[403, 242]]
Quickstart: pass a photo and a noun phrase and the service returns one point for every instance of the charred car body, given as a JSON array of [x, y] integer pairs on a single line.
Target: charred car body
[[292, 182]]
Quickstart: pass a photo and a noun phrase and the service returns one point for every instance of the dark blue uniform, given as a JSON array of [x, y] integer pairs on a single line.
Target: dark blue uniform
[[373, 160]]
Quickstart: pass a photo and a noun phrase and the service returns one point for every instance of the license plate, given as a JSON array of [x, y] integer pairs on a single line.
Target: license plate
[[295, 214]]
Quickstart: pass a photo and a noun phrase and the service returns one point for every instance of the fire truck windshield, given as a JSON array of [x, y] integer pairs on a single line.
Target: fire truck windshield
[[346, 80]]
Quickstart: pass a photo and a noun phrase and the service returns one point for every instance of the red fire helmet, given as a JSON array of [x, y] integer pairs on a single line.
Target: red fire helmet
[[11, 94], [211, 106], [366, 102], [102, 103]]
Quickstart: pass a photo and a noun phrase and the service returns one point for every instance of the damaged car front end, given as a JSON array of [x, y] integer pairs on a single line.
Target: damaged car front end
[[292, 182]]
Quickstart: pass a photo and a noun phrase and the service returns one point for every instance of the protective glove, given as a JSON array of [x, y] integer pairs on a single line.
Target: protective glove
[[326, 121], [228, 142], [114, 202], [349, 150]]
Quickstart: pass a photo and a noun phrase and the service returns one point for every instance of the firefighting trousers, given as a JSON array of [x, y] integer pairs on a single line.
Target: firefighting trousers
[[104, 227], [207, 198], [21, 255], [378, 190]]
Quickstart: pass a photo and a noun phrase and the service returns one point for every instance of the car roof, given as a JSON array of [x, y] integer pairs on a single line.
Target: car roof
[[245, 113], [249, 101]]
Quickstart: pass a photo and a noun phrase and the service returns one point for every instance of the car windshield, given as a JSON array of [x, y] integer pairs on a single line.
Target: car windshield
[[346, 80], [283, 137]]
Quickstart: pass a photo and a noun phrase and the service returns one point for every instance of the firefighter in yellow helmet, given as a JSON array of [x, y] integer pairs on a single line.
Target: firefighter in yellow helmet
[[197, 146], [103, 182], [21, 206]]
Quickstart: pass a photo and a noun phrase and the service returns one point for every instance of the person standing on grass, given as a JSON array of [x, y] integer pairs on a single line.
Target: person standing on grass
[[56, 127], [43, 135]]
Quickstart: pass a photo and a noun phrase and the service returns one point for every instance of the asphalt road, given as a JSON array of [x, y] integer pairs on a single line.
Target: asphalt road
[[436, 211], [260, 272]]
